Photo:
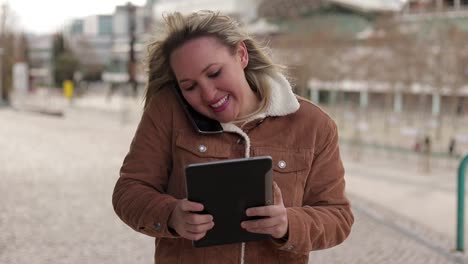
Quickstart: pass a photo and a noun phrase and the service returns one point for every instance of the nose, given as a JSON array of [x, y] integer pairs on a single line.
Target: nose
[[208, 91]]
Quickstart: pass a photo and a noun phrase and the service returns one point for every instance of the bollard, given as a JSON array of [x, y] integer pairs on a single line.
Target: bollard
[[461, 204], [68, 89]]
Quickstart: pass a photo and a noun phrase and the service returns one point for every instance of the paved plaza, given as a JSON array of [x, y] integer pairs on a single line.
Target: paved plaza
[[58, 174]]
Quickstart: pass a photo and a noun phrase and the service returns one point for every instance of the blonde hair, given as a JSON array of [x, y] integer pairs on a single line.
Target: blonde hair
[[180, 29]]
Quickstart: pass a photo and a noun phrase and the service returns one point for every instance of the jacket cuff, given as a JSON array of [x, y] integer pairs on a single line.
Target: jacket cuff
[[156, 223], [290, 243]]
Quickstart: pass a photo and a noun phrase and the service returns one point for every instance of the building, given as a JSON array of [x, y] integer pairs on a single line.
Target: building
[[432, 5], [130, 24], [102, 42], [89, 39], [244, 10], [146, 17], [353, 52], [40, 59]]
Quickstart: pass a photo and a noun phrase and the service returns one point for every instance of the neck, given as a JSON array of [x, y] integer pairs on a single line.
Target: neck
[[251, 107]]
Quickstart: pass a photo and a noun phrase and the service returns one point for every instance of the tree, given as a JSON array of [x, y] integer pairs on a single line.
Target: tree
[[65, 63], [65, 66], [7, 52]]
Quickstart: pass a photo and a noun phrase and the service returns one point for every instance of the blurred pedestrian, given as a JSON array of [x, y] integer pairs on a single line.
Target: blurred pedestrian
[[113, 87], [417, 146], [460, 108], [427, 150], [451, 147], [223, 74]]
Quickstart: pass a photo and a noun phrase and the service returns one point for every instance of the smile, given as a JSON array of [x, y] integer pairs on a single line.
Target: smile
[[220, 102]]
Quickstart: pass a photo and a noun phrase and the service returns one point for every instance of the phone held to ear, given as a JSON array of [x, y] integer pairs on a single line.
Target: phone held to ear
[[201, 123]]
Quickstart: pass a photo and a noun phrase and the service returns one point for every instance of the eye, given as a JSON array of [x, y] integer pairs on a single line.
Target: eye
[[189, 88], [216, 74]]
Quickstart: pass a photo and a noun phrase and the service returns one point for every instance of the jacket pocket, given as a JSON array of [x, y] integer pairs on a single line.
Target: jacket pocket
[[201, 148], [290, 170], [191, 148]]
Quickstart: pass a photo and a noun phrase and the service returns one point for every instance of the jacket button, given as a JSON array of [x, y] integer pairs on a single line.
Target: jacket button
[[157, 226], [282, 164], [202, 148]]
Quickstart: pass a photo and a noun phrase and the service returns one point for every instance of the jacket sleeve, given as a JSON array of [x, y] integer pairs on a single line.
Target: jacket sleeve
[[139, 197], [325, 219]]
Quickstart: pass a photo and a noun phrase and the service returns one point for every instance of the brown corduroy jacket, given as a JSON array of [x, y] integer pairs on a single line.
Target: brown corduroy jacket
[[299, 136]]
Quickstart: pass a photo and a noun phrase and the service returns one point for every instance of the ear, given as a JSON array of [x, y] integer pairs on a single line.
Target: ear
[[243, 54]]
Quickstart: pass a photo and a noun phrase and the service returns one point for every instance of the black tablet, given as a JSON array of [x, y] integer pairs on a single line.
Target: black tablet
[[226, 189]]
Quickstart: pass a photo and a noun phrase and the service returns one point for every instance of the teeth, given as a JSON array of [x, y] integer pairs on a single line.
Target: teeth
[[220, 102]]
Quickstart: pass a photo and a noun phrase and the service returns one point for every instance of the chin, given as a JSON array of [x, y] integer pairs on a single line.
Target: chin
[[224, 119]]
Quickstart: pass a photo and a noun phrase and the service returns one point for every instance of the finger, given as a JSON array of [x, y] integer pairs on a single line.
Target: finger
[[198, 229], [194, 236], [273, 230], [261, 223], [270, 210], [278, 197], [196, 219], [189, 206]]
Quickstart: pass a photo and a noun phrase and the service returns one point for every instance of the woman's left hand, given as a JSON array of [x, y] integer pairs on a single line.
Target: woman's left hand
[[276, 221]]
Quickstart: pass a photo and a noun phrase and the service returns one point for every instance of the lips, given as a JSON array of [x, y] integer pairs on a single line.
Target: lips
[[221, 102]]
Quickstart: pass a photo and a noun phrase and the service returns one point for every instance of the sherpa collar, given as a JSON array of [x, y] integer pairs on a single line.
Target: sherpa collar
[[282, 102]]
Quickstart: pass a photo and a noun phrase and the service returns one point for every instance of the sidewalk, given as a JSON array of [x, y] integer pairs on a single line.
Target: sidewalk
[[383, 237], [402, 215], [52, 102], [399, 185]]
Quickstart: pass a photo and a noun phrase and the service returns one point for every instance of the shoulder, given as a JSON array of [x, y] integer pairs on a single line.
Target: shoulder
[[319, 124], [162, 107], [310, 125], [165, 98], [313, 114]]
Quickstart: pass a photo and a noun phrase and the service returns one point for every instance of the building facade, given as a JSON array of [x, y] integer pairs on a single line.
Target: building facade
[[244, 10], [40, 59], [102, 42]]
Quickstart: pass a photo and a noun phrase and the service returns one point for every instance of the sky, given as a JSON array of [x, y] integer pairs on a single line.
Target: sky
[[47, 16]]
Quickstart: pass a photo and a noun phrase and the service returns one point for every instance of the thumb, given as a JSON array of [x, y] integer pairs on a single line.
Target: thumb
[[188, 206], [277, 196]]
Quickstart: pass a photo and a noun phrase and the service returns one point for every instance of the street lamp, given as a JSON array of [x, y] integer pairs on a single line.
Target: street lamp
[[131, 66], [3, 92]]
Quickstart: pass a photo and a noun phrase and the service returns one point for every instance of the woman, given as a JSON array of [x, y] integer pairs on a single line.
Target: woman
[[224, 75]]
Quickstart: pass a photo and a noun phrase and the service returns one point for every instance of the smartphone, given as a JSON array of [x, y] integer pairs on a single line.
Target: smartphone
[[201, 123]]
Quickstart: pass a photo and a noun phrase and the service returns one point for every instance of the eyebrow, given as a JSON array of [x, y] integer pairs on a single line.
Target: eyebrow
[[205, 69]]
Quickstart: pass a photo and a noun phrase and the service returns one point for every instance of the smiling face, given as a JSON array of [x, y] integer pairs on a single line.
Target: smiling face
[[212, 80]]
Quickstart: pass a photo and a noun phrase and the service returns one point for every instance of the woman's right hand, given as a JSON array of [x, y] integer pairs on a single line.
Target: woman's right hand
[[187, 222]]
